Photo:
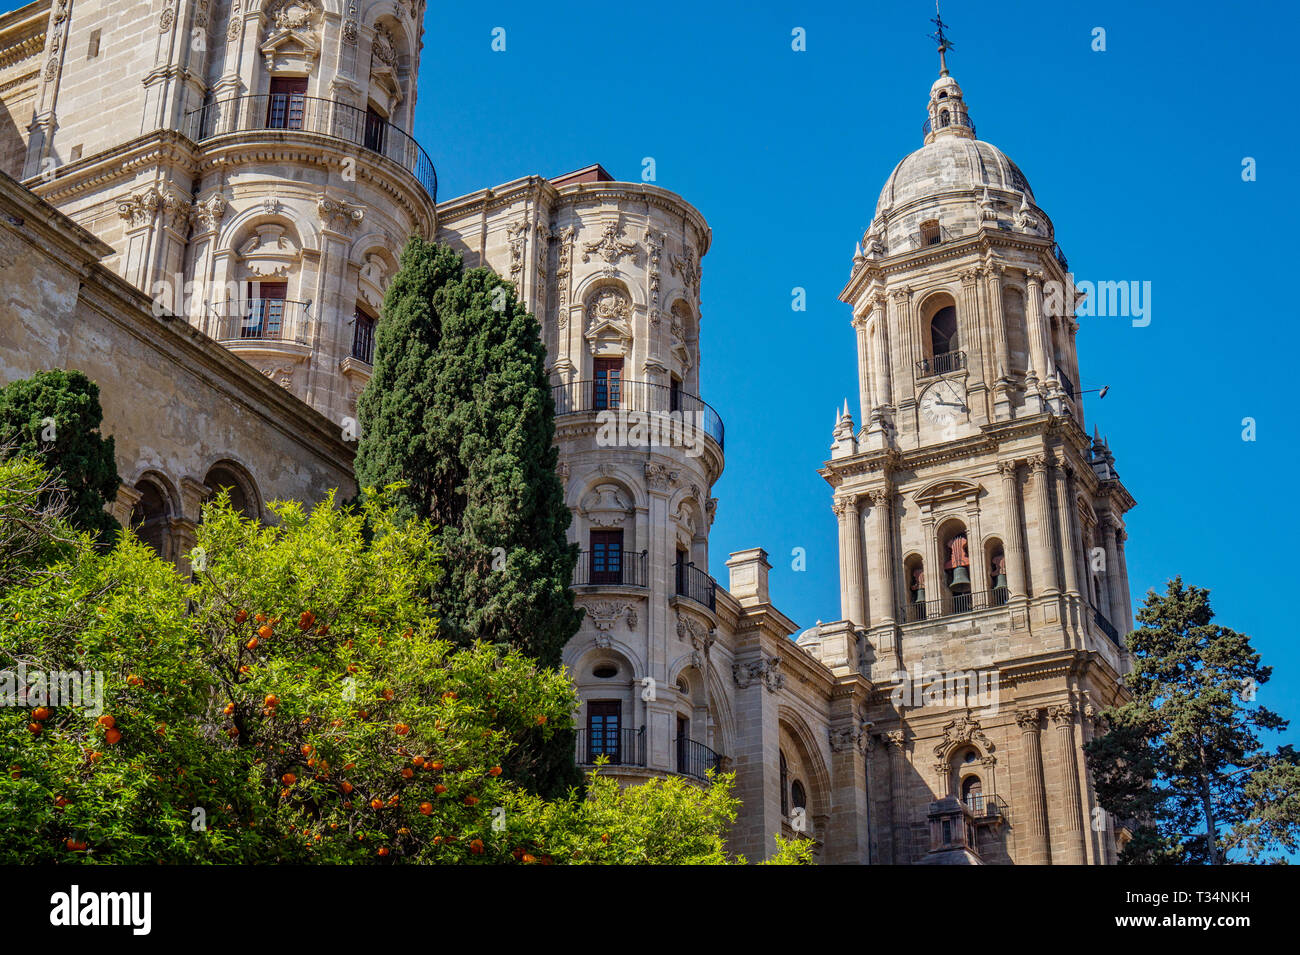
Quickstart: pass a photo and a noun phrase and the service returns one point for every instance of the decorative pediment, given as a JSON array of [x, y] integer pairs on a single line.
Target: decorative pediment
[[292, 42], [373, 280], [948, 491], [959, 732], [268, 253], [609, 314], [385, 87], [609, 247], [606, 505]]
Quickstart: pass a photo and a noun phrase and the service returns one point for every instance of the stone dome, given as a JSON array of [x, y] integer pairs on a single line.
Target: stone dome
[[950, 165]]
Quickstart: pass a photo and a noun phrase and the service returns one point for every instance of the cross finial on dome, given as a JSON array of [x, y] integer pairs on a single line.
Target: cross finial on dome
[[942, 39]]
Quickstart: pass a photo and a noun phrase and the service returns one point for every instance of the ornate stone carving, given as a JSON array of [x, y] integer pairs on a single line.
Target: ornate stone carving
[[338, 215], [609, 310], [282, 375], [659, 476], [1027, 719], [1061, 713], [541, 241], [960, 731], [166, 19], [895, 739], [608, 247], [605, 613], [765, 669], [1007, 468], [655, 244], [350, 28], [687, 268], [209, 212], [562, 271], [294, 14], [383, 48]]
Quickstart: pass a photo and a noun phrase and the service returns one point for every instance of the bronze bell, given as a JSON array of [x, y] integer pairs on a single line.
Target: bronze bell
[[920, 595], [960, 575], [1000, 582]]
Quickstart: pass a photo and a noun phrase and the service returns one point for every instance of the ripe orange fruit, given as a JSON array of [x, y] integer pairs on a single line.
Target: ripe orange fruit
[[60, 801], [387, 694], [232, 732], [245, 670], [74, 845], [440, 789], [272, 700], [436, 765], [426, 808], [95, 756], [527, 859], [161, 729], [112, 737], [449, 695], [106, 721], [346, 787], [437, 840], [288, 779], [42, 713], [306, 620], [401, 729], [34, 728], [306, 749], [383, 851], [260, 618], [418, 761], [252, 644], [135, 680], [541, 720], [229, 708], [376, 803], [265, 631], [241, 616], [476, 847], [494, 771], [471, 800], [407, 773]]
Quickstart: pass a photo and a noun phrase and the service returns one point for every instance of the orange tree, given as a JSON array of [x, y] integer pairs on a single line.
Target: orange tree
[[291, 702]]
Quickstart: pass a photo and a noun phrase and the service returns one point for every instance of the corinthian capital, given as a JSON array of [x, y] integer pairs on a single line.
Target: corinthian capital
[[1027, 719]]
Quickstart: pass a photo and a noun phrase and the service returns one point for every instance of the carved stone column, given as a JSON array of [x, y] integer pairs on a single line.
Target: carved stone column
[[881, 571], [935, 585], [1063, 478], [1014, 544], [975, 550], [1114, 589], [1001, 350], [905, 353], [900, 814], [1125, 612], [865, 399], [1035, 841], [126, 500], [1063, 716], [1046, 574], [1040, 370], [852, 601]]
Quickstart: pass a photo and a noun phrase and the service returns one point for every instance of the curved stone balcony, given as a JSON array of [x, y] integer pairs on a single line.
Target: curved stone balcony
[[290, 112], [683, 411], [263, 326]]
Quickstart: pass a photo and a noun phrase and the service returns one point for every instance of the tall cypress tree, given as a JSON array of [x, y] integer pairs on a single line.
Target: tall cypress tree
[[460, 409], [55, 416]]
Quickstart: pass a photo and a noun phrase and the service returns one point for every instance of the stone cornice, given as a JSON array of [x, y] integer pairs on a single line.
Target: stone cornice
[[571, 194], [162, 147]]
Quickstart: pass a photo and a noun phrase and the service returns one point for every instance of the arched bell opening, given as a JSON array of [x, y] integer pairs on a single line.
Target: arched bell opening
[[995, 559], [914, 580], [955, 554]]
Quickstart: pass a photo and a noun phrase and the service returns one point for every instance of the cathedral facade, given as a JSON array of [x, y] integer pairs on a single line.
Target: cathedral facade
[[237, 179]]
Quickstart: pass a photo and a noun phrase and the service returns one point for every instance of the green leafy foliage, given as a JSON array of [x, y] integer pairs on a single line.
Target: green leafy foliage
[[1181, 764], [55, 415], [293, 703]]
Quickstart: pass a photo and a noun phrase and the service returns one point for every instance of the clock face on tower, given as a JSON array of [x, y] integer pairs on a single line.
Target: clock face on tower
[[943, 405]]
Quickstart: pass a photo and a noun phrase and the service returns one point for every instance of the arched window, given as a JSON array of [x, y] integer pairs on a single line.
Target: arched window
[[241, 498], [151, 517], [798, 795], [914, 581], [930, 232], [972, 793], [943, 118], [956, 564], [943, 331]]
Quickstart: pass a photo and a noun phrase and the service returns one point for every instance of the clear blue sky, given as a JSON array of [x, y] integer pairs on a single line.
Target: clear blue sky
[[1135, 153]]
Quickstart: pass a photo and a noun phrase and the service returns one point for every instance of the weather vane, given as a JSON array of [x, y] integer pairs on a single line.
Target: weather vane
[[941, 38]]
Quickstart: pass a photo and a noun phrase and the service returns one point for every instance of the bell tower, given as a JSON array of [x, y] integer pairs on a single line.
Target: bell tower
[[981, 531]]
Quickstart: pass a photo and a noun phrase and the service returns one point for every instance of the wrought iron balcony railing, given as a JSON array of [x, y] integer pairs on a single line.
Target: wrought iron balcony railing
[[941, 364], [956, 603], [621, 747], [1106, 627], [618, 569], [986, 807], [626, 395], [953, 120], [696, 585], [311, 114], [695, 759], [1061, 260], [262, 320]]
